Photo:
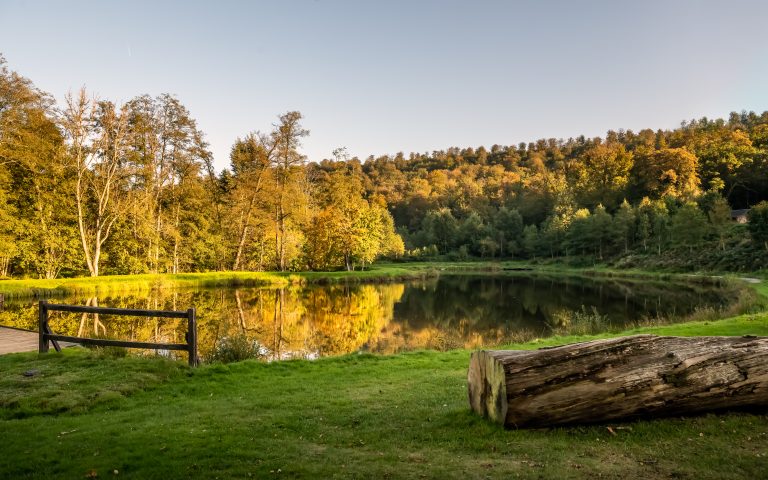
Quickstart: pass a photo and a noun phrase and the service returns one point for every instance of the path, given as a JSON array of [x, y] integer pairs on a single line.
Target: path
[[13, 340], [750, 279]]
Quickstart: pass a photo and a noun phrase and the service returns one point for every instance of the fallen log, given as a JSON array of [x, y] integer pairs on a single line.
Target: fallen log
[[639, 376]]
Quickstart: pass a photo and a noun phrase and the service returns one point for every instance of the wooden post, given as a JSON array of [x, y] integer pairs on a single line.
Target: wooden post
[[2, 302], [42, 325], [192, 336]]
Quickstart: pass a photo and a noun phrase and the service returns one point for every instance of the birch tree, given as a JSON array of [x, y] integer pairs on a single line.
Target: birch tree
[[96, 131]]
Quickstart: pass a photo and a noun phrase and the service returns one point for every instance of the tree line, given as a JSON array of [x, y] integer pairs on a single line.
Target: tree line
[[658, 198], [92, 187]]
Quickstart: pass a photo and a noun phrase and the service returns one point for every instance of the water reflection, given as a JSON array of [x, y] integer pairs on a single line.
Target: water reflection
[[449, 312]]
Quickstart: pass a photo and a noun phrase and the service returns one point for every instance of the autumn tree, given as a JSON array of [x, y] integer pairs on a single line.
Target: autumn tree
[[723, 153], [168, 157], [667, 172], [288, 172], [605, 174], [349, 229], [251, 161]]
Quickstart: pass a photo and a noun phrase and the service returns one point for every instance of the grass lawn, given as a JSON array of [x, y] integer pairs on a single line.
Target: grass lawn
[[85, 414]]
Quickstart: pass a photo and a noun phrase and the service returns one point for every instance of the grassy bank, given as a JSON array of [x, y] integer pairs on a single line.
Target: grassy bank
[[41, 288], [359, 416]]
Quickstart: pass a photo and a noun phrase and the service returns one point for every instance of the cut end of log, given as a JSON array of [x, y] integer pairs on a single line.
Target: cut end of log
[[487, 386]]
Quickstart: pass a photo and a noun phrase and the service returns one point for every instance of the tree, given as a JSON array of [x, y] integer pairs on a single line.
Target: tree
[[96, 132], [391, 243], [552, 234], [667, 172], [287, 164], [40, 237], [661, 224], [441, 229], [470, 232], [758, 224], [251, 160], [719, 215], [578, 234], [624, 226], [166, 157], [689, 226], [349, 229], [509, 225], [600, 230], [722, 153], [605, 174], [644, 214], [531, 240]]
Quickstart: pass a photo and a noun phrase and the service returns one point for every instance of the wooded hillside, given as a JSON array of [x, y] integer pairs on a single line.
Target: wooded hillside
[[92, 187]]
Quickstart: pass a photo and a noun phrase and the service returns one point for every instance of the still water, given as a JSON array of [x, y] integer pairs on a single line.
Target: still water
[[452, 311]]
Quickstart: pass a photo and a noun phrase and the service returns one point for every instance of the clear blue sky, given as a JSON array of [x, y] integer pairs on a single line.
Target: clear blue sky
[[386, 76]]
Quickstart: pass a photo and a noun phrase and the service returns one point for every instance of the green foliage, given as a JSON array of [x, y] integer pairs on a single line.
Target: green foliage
[[758, 224], [531, 240], [689, 226], [625, 226], [441, 229], [509, 225]]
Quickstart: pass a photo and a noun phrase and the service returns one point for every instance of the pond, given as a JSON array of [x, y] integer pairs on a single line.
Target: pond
[[451, 311]]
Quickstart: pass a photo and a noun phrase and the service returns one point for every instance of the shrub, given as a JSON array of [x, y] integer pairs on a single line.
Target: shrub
[[235, 348]]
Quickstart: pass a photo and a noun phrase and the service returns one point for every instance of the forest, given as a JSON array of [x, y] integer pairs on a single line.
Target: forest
[[91, 187]]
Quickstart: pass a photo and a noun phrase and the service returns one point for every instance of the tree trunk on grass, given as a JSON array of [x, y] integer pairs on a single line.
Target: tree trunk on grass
[[623, 378]]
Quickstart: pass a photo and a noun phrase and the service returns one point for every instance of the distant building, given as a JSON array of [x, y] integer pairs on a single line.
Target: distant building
[[739, 216]]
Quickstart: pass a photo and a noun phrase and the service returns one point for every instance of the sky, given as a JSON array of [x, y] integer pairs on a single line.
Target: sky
[[379, 77]]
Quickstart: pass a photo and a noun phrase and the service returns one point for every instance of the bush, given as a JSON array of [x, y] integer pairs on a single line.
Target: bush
[[235, 348]]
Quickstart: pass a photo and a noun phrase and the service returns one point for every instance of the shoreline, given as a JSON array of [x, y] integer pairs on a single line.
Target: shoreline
[[385, 272]]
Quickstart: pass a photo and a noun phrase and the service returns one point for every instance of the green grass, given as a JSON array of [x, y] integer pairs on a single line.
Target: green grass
[[358, 416]]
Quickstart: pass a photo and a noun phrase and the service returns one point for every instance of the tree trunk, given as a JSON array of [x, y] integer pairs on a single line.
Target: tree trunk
[[240, 246], [639, 376]]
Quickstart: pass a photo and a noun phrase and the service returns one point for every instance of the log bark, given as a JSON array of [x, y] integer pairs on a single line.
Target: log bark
[[632, 377]]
